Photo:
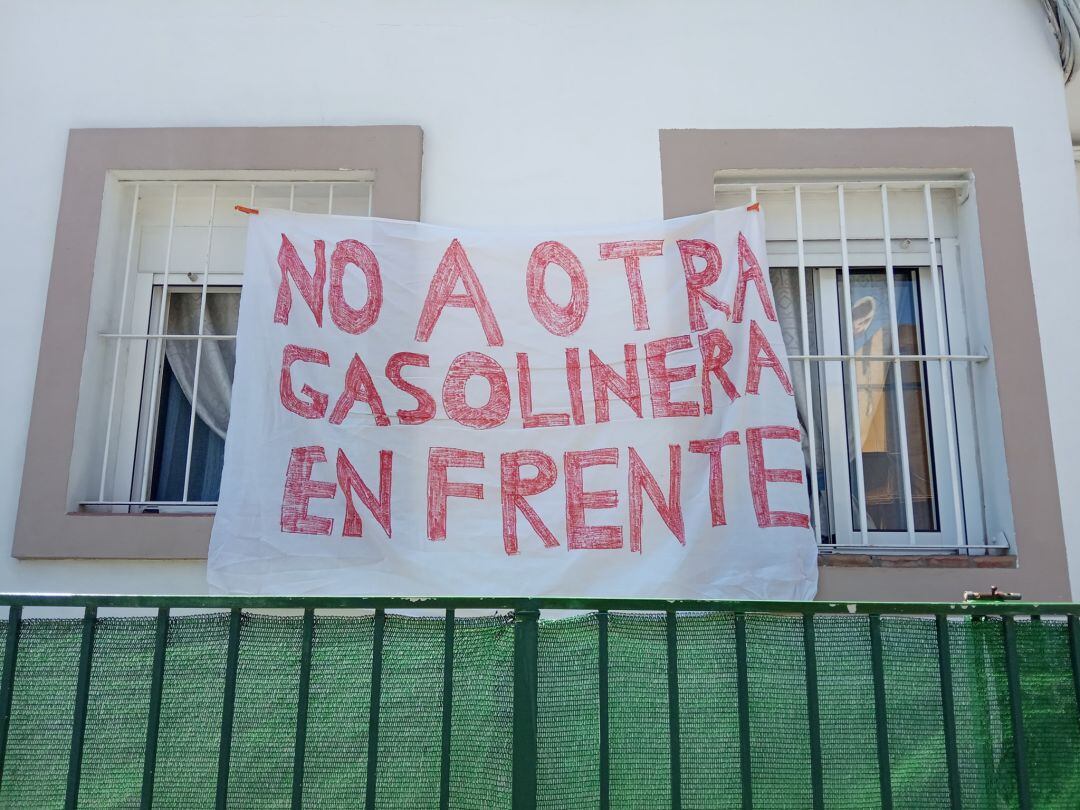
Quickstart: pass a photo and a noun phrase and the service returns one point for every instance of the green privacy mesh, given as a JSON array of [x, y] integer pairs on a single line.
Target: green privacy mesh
[[409, 763]]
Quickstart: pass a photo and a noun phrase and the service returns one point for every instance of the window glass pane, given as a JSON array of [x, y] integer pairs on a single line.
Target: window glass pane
[[877, 423], [311, 198], [170, 455], [216, 360]]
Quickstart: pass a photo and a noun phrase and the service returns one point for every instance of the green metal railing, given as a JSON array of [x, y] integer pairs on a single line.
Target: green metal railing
[[525, 615]]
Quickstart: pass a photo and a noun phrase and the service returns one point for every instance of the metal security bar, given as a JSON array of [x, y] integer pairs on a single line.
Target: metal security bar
[[866, 619], [139, 352], [834, 424]]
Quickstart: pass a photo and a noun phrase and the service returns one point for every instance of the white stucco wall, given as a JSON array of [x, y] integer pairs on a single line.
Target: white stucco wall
[[533, 112]]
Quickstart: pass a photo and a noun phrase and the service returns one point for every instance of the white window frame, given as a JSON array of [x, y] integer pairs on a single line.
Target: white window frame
[[137, 426], [826, 272]]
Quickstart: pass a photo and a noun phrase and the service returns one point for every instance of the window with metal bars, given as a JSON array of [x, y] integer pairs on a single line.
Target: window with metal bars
[[166, 305], [878, 292]]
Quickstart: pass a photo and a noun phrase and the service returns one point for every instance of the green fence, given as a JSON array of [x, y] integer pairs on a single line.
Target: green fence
[[336, 702]]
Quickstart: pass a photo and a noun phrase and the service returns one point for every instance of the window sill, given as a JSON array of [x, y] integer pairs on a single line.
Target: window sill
[[846, 560], [88, 536]]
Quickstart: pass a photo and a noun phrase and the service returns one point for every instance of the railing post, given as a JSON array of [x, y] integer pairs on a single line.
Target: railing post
[[1016, 706], [948, 711], [880, 712], [1074, 658], [673, 709], [153, 715], [232, 658], [525, 681], [7, 679], [300, 739], [378, 629], [742, 684], [813, 713], [605, 756], [82, 699], [447, 708]]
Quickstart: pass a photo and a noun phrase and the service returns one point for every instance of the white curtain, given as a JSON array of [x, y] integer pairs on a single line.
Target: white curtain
[[218, 356], [785, 283]]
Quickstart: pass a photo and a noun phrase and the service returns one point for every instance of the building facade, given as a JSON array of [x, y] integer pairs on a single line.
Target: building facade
[[914, 162]]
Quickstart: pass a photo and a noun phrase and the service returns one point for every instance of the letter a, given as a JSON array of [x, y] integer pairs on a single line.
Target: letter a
[[750, 272], [453, 268]]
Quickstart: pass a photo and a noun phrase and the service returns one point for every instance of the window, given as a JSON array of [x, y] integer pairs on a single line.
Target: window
[[171, 282], [107, 406], [868, 276], [1004, 452]]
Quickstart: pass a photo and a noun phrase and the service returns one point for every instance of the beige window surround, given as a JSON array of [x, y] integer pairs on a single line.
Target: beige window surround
[[44, 527], [690, 160]]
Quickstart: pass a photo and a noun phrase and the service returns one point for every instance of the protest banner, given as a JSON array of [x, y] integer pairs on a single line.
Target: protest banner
[[422, 410]]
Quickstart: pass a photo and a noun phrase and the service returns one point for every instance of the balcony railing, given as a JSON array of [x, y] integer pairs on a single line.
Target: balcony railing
[[361, 702]]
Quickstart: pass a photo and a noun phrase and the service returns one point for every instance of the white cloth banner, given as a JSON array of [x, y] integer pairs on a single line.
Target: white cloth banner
[[426, 411]]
